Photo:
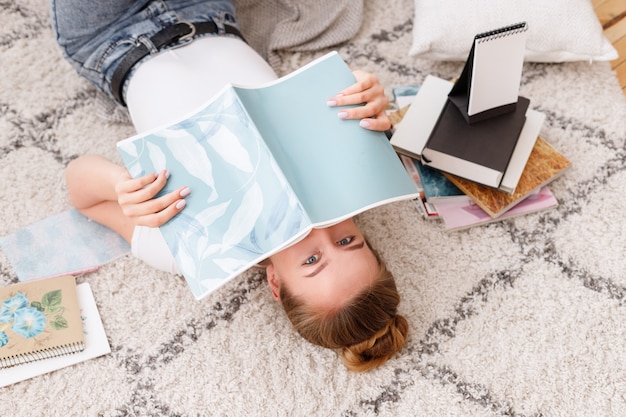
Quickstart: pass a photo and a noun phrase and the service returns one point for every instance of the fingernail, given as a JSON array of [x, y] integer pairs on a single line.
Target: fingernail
[[181, 204], [331, 103], [364, 123], [167, 173], [342, 114], [185, 192]]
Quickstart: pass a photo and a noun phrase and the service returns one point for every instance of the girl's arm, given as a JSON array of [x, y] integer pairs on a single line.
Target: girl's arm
[[104, 192]]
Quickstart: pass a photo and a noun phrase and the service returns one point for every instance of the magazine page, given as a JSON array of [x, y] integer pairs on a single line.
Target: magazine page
[[240, 209], [337, 168]]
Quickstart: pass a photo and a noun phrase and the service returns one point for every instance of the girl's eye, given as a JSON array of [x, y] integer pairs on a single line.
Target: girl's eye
[[345, 241], [311, 260]]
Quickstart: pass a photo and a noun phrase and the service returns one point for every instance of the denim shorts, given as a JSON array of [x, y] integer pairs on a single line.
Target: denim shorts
[[96, 35]]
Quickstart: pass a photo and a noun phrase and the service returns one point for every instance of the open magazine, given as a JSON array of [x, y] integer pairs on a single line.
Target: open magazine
[[265, 165]]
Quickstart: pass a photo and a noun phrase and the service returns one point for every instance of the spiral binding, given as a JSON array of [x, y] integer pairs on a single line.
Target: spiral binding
[[47, 353], [501, 32]]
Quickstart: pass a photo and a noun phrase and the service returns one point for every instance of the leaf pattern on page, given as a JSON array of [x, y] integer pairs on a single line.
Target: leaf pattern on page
[[244, 218], [241, 206]]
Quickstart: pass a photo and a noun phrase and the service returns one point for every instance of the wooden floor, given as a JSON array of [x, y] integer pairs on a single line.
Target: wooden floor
[[612, 15]]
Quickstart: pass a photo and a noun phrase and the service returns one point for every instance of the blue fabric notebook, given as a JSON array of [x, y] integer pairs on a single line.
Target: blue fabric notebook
[[66, 243]]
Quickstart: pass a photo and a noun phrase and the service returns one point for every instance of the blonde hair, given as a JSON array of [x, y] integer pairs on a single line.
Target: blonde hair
[[367, 329]]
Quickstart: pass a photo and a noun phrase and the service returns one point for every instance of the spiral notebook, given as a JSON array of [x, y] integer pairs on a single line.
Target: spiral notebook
[[39, 320], [489, 83]]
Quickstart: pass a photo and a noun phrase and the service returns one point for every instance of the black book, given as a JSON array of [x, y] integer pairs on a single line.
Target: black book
[[480, 151]]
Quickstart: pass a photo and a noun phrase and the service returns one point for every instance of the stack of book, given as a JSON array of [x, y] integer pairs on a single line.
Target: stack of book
[[472, 147]]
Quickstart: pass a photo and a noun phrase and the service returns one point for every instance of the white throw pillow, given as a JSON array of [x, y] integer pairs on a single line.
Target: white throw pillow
[[559, 30]]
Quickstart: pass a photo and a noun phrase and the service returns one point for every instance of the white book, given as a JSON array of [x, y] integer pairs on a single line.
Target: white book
[[413, 131], [525, 143]]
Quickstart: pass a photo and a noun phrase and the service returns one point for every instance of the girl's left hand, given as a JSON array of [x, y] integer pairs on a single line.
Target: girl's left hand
[[366, 90]]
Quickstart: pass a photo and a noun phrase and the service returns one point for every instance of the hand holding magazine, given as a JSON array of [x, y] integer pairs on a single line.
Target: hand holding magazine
[[265, 165]]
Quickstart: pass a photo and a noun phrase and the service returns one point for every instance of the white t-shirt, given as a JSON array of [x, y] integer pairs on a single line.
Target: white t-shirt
[[177, 81]]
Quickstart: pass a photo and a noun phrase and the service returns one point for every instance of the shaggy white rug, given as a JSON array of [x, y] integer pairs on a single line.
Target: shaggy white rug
[[525, 317]]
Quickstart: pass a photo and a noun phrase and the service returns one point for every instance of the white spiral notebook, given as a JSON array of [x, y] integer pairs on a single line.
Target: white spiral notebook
[[490, 81], [497, 68]]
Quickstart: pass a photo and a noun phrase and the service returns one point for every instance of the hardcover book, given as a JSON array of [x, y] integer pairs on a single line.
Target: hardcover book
[[479, 151], [39, 320], [544, 165], [265, 165]]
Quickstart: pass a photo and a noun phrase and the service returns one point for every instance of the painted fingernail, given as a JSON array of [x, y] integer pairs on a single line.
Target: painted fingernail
[[342, 114], [331, 103], [364, 123], [185, 192], [181, 204]]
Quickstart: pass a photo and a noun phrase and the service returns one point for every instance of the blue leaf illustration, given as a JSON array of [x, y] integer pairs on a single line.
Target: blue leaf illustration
[[245, 217]]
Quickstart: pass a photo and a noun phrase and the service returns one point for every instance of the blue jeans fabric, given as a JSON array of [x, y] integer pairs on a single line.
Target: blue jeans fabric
[[96, 35]]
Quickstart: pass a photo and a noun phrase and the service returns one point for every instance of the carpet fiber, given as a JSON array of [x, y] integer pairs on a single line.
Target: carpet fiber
[[525, 317]]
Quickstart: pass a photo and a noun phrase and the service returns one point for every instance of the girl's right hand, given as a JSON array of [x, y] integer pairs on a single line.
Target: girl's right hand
[[135, 197]]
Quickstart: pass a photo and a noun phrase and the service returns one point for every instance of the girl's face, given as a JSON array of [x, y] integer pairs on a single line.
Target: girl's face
[[326, 268]]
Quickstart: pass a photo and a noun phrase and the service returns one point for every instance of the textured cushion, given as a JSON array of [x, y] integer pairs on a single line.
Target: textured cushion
[[559, 30]]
